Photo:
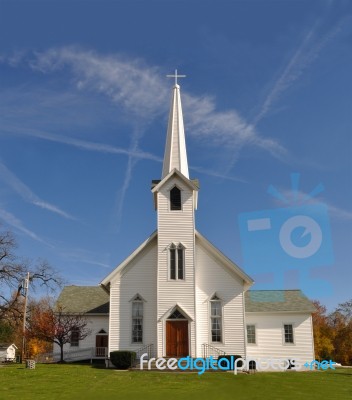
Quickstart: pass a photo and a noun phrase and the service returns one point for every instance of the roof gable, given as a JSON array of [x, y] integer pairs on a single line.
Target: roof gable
[[106, 281], [230, 265], [192, 184]]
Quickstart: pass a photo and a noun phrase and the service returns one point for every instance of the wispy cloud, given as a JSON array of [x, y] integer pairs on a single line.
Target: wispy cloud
[[13, 221], [130, 83], [298, 197], [82, 144], [306, 53], [137, 133], [84, 256], [142, 90], [26, 193]]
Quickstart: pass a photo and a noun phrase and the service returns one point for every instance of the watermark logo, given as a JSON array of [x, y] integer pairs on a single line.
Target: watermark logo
[[231, 363], [296, 237]]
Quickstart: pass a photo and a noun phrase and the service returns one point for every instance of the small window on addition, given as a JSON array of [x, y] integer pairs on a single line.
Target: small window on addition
[[251, 334], [74, 341], [175, 199], [288, 332]]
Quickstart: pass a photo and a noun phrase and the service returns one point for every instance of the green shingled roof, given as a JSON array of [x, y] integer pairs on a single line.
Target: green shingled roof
[[277, 300], [94, 300], [84, 299]]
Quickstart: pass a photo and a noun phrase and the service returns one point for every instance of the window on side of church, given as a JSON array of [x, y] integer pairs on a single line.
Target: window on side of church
[[177, 262], [137, 320], [175, 199], [216, 319], [251, 334], [288, 334], [74, 339]]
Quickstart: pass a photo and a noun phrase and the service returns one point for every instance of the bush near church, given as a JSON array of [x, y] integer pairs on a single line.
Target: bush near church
[[122, 359]]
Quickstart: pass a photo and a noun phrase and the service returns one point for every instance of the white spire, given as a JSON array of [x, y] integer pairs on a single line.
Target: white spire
[[175, 150]]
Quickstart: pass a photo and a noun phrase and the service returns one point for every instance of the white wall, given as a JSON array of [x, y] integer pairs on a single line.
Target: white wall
[[95, 323], [212, 277], [138, 277], [270, 339]]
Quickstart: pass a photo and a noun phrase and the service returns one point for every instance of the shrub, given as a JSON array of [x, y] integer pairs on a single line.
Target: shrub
[[122, 359]]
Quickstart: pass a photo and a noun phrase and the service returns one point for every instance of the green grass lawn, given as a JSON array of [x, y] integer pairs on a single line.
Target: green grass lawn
[[85, 382]]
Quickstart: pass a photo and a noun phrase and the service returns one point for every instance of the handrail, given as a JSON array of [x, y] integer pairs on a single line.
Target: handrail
[[209, 350], [149, 349]]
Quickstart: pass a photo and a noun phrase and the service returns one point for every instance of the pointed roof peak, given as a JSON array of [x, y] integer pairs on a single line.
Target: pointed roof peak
[[175, 155]]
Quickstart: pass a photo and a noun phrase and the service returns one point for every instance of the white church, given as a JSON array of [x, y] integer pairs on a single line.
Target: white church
[[178, 295]]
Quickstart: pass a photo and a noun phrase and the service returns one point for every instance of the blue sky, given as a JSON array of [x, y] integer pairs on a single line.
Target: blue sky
[[83, 112]]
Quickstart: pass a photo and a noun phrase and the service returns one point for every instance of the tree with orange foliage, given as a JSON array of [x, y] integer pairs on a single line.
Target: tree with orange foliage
[[53, 325], [323, 333]]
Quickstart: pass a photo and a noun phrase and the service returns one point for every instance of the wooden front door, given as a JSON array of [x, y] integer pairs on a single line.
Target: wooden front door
[[176, 338]]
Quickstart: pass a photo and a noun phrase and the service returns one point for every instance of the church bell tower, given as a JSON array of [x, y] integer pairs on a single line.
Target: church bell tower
[[175, 200]]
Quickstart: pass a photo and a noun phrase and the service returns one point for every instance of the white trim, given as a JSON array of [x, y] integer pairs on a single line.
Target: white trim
[[138, 295], [172, 309], [187, 181]]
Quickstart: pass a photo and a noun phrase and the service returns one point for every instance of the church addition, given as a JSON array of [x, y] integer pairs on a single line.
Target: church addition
[[178, 295]]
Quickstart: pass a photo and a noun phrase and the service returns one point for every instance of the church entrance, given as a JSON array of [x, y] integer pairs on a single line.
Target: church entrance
[[101, 345], [176, 338]]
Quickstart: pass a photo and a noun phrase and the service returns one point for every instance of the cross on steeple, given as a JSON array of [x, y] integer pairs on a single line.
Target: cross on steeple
[[176, 76]]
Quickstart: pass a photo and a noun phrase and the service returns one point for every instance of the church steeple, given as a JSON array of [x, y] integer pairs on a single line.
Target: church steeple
[[175, 149]]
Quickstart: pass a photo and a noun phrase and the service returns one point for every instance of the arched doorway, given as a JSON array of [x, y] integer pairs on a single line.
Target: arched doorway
[[177, 335]]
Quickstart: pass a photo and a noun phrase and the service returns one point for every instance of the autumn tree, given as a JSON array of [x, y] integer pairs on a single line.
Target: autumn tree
[[323, 333], [341, 323], [54, 325]]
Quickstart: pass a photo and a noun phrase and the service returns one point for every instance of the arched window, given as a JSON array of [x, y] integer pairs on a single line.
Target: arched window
[[216, 319], [175, 198], [137, 319], [176, 262]]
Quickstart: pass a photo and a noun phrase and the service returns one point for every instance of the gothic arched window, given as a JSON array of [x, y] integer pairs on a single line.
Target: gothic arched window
[[176, 262], [175, 198], [137, 319]]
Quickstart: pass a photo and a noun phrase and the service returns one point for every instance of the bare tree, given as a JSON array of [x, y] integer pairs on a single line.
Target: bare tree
[[12, 273], [56, 325]]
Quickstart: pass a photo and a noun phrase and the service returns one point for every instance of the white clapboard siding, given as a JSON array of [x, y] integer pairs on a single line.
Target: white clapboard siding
[[175, 227], [95, 323], [270, 336], [212, 277], [138, 277]]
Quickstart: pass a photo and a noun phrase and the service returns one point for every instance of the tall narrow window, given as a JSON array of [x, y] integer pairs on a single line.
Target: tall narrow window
[[288, 333], [137, 320], [175, 198], [251, 334], [177, 262], [216, 319]]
